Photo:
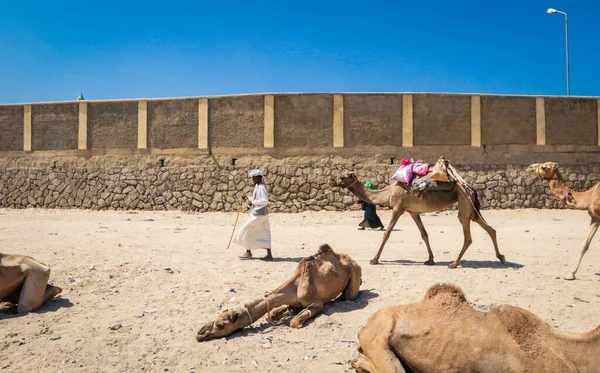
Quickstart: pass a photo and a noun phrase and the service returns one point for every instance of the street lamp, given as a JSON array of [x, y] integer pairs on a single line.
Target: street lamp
[[552, 11]]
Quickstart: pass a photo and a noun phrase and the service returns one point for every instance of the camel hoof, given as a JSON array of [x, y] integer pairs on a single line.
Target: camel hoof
[[453, 265], [8, 307], [295, 324], [54, 291], [502, 259], [570, 277], [429, 263], [374, 261]]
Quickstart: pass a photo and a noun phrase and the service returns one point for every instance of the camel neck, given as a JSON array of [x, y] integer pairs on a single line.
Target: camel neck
[[570, 198], [252, 312], [374, 197]]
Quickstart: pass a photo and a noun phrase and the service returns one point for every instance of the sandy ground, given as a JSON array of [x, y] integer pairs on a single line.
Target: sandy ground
[[113, 268]]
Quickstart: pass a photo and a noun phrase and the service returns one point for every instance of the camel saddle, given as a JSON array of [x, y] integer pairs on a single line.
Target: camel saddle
[[421, 184]]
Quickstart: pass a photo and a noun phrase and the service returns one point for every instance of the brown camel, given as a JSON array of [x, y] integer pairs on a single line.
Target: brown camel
[[24, 283], [588, 200], [444, 333], [317, 280], [401, 201]]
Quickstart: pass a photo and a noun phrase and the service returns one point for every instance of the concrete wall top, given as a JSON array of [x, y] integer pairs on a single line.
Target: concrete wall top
[[295, 94]]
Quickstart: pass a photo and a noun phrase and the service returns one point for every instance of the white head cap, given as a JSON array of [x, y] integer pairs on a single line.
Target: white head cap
[[256, 172]]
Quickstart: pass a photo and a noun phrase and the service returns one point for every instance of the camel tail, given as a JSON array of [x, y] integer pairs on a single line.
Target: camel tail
[[477, 206], [476, 203]]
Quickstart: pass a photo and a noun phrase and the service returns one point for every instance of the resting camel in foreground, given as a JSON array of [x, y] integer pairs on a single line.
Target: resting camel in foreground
[[588, 200], [317, 280], [401, 201], [24, 284], [444, 333]]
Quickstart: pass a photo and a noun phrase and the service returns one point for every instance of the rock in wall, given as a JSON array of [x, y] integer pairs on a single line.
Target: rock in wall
[[203, 183]]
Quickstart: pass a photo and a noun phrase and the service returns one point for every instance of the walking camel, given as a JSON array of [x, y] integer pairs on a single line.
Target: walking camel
[[444, 333], [401, 201], [317, 280], [24, 283], [588, 200]]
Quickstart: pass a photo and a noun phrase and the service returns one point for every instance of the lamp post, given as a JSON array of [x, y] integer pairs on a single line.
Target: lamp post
[[552, 11]]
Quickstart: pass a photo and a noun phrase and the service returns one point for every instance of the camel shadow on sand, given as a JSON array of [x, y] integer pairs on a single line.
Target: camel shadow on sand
[[276, 259], [463, 264], [50, 306], [333, 307]]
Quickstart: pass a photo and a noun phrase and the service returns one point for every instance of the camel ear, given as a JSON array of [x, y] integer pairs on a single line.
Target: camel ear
[[352, 174], [555, 166], [234, 316]]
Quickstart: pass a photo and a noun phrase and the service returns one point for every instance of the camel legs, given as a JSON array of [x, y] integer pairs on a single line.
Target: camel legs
[[395, 215], [466, 224], [375, 356], [35, 290], [351, 291], [417, 218], [584, 248], [280, 312], [466, 213], [492, 233], [309, 312], [361, 364]]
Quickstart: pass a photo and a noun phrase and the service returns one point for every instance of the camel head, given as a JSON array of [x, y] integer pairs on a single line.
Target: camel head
[[546, 171], [345, 179], [225, 324]]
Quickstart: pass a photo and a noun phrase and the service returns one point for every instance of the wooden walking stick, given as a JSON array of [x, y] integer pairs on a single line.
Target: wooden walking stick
[[234, 225]]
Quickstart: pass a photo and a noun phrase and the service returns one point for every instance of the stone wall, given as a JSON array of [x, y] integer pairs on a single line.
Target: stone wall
[[112, 125], [212, 184], [11, 128], [301, 123], [441, 119], [54, 127]]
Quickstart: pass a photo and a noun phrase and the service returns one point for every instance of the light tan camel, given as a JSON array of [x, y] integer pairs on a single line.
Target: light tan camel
[[588, 200], [401, 201], [317, 280], [24, 283], [444, 333]]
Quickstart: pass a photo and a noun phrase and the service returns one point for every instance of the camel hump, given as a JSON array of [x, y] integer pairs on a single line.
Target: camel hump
[[445, 289], [325, 248]]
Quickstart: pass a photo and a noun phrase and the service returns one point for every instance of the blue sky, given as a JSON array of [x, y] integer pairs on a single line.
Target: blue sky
[[52, 50]]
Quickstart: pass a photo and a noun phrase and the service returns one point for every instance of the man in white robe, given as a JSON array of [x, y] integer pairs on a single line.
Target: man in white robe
[[256, 232]]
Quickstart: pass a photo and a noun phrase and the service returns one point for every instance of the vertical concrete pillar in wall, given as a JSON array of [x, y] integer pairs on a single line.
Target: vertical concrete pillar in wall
[[540, 121], [598, 108], [407, 121], [27, 128], [142, 124], [476, 121], [83, 123], [338, 121], [269, 121], [203, 123]]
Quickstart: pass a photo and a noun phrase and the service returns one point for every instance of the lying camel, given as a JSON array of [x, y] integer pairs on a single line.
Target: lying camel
[[24, 283], [401, 201], [588, 200], [444, 333], [317, 280]]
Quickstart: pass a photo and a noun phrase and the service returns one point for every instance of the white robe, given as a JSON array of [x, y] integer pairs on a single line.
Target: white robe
[[256, 231]]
